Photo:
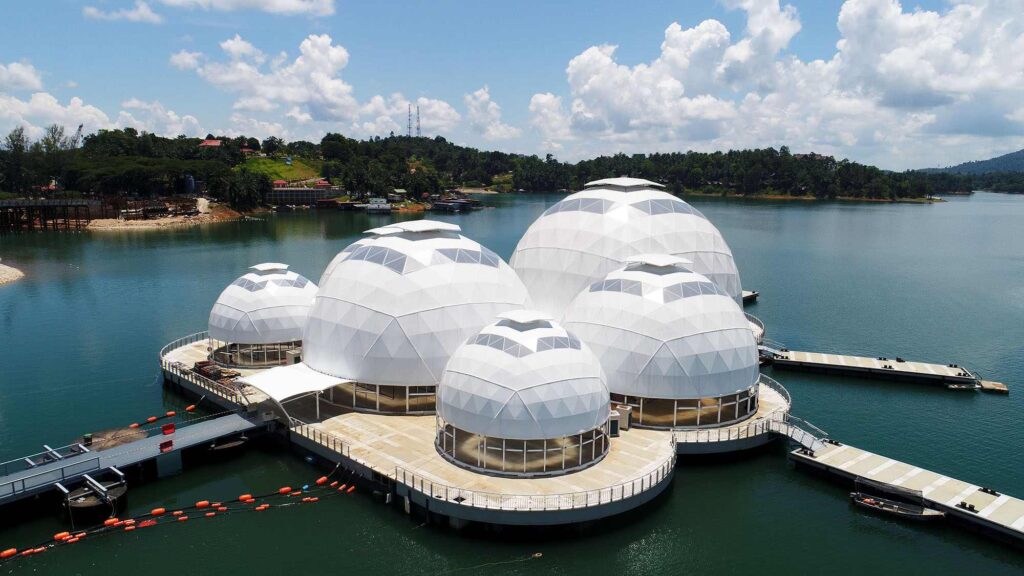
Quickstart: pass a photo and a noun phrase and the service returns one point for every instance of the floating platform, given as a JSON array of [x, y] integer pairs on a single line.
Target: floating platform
[[994, 387], [964, 502], [873, 367], [400, 450], [750, 296]]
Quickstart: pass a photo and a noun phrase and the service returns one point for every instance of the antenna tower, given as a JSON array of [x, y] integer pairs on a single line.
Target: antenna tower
[[418, 133], [409, 125]]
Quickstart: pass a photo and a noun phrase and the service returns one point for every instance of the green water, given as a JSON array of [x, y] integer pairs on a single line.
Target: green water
[[79, 337]]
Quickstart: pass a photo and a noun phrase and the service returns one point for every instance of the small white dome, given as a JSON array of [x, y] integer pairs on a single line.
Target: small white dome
[[528, 380], [394, 306], [592, 232], [266, 306], [665, 332]]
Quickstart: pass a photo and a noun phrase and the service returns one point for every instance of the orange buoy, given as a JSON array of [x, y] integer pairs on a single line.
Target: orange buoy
[[333, 484], [133, 425], [129, 528], [296, 493], [171, 414], [28, 552], [215, 504], [80, 535], [147, 523], [119, 523], [203, 504], [305, 499], [129, 522], [284, 490], [190, 407], [151, 419], [8, 553], [157, 511], [71, 540], [39, 550], [321, 481], [314, 499], [245, 497], [351, 489], [177, 513], [182, 518], [211, 514], [61, 536], [110, 521], [222, 508]]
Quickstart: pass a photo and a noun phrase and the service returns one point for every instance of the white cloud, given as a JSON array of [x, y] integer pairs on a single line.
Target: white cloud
[[140, 13], [310, 87], [484, 116], [42, 109], [902, 86], [153, 117], [287, 7], [253, 127], [20, 76], [185, 60]]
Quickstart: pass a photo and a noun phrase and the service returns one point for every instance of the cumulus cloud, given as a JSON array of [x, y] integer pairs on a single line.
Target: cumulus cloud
[[154, 117], [286, 7], [901, 86], [42, 109], [141, 12], [185, 60], [20, 76], [311, 88], [484, 116]]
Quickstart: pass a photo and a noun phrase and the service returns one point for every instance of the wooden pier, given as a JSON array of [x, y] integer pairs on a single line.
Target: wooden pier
[[49, 214], [950, 375], [963, 502]]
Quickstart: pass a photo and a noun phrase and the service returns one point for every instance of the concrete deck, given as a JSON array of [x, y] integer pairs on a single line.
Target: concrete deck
[[401, 448], [839, 363], [1000, 513]]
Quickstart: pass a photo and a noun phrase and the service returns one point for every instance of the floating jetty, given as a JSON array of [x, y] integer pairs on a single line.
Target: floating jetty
[[56, 469], [976, 506], [952, 376], [750, 296]]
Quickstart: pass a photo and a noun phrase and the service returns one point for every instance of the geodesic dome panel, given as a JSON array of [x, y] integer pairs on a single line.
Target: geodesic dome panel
[[393, 307], [665, 332], [590, 233], [525, 381], [266, 306]]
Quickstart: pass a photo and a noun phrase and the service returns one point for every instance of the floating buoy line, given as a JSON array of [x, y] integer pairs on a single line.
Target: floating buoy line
[[283, 497]]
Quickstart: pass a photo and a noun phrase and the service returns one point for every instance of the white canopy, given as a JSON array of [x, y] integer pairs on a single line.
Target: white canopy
[[289, 381]]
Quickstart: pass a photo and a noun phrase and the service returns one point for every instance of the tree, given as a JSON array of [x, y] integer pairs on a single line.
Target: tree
[[15, 146], [272, 144]]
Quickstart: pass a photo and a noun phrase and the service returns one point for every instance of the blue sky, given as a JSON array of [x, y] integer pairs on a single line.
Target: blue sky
[[550, 84]]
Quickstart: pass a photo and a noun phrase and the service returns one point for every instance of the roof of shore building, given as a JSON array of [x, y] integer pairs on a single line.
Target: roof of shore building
[[268, 305], [523, 377], [590, 233], [395, 305], [663, 331]]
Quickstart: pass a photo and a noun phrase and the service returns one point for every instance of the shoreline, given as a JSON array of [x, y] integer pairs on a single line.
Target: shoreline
[[786, 198], [209, 213], [9, 274]]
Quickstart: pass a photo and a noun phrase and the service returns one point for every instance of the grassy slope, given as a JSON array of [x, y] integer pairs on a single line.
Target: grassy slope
[[301, 169]]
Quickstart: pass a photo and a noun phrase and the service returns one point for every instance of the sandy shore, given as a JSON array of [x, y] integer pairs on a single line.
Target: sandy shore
[[476, 191], [8, 274], [208, 213]]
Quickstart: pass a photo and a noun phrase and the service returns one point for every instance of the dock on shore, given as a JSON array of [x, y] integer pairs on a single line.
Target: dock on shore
[[950, 375], [750, 296], [976, 506]]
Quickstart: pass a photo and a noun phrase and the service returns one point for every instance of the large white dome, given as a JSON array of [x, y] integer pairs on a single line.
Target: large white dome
[[393, 307], [266, 306], [590, 233], [526, 378], [662, 331]]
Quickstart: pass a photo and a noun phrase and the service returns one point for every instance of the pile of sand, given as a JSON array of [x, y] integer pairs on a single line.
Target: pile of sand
[[9, 274]]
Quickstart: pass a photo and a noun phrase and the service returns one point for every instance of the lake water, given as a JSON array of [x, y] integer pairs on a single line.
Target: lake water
[[79, 338]]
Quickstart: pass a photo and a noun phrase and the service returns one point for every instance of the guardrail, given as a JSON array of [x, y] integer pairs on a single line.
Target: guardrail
[[49, 476], [41, 458], [324, 438], [183, 341], [234, 394], [756, 322], [774, 385], [537, 502], [800, 431]]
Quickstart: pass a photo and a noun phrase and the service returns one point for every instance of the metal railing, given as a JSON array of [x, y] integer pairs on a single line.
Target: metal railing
[[49, 476], [800, 431], [41, 458], [232, 393], [756, 322], [774, 385], [538, 502], [331, 441]]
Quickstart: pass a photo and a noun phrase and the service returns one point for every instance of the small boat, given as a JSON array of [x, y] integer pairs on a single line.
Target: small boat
[[900, 509], [228, 445]]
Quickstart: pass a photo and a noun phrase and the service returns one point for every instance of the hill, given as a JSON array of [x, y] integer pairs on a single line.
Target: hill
[[277, 169], [1012, 162]]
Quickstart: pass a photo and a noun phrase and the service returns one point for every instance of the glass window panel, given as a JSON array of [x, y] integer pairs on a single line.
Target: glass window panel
[[690, 289]]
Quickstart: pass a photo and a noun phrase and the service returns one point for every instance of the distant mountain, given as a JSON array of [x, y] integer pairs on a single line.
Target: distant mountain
[[1012, 162]]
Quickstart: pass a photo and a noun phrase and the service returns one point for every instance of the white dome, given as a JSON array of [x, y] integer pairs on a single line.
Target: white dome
[[266, 306], [393, 307], [524, 378], [662, 331], [590, 233]]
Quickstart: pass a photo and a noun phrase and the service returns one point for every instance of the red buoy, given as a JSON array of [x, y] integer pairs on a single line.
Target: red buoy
[[314, 499], [190, 407], [8, 553], [39, 550], [157, 511], [203, 504], [151, 419], [333, 484], [284, 490], [321, 481], [171, 414], [71, 540], [110, 521], [182, 518], [245, 497], [80, 535], [351, 489], [211, 514], [129, 528], [133, 425], [222, 508], [177, 513], [61, 536]]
